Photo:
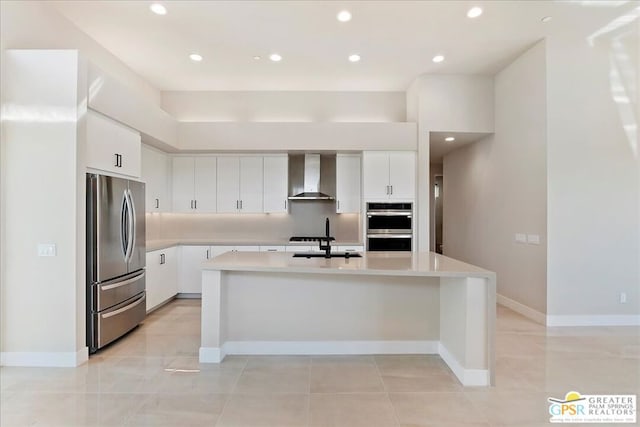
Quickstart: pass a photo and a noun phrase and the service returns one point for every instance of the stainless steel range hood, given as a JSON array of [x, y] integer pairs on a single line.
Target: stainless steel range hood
[[311, 177]]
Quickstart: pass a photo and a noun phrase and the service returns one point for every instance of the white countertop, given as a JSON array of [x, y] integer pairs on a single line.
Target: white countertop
[[427, 264], [154, 245]]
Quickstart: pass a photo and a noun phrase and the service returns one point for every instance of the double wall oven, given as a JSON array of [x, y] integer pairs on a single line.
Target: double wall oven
[[389, 226]]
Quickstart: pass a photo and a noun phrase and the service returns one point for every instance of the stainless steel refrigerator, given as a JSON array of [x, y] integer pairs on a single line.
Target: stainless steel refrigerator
[[115, 258]]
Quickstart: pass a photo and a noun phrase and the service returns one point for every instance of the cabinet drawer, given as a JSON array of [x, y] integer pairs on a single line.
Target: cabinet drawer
[[112, 146], [272, 249]]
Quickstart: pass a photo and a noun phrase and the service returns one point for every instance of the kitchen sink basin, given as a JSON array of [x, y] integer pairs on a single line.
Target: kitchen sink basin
[[322, 255]]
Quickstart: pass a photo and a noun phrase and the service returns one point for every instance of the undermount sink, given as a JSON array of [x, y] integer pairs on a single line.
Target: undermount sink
[[322, 255]]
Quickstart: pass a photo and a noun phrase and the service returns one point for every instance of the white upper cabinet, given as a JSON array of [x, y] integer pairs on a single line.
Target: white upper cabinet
[[375, 174], [228, 182], [348, 183], [276, 183], [239, 184], [402, 175], [112, 146], [194, 184], [205, 176], [389, 175], [156, 172]]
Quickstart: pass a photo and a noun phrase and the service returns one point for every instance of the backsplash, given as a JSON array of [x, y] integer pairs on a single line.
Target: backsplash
[[304, 219]]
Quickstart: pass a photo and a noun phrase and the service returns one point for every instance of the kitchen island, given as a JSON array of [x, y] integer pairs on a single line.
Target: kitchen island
[[382, 303]]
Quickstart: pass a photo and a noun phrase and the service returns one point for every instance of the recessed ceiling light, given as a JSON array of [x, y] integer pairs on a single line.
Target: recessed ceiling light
[[275, 57], [438, 58], [449, 139], [474, 12], [546, 19], [195, 57], [354, 58], [257, 57], [158, 9], [344, 16]]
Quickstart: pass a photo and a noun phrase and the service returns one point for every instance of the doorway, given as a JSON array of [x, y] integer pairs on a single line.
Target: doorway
[[438, 193]]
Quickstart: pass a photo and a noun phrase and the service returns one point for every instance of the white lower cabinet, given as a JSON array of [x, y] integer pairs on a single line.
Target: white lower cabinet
[[191, 259], [161, 276], [190, 271], [272, 248], [219, 250], [343, 248], [303, 248]]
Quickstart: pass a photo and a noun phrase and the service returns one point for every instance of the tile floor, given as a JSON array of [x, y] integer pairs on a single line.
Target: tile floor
[[151, 378]]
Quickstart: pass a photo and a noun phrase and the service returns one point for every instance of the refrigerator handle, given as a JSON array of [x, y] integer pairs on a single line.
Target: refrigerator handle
[[131, 223], [124, 239]]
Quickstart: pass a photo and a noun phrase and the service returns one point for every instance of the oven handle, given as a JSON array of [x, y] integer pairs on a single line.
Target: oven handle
[[389, 213], [389, 236]]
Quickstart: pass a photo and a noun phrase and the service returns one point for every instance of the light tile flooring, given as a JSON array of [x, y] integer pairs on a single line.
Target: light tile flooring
[[152, 377]]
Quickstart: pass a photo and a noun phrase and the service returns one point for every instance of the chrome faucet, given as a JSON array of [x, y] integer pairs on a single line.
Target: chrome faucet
[[326, 248]]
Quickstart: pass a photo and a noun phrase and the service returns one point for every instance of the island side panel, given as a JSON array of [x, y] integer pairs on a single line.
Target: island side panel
[[301, 313], [212, 317], [467, 317]]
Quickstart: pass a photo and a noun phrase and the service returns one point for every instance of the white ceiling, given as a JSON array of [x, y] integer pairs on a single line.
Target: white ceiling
[[396, 40]]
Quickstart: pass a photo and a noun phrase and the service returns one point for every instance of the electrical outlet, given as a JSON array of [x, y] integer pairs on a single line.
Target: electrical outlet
[[623, 297], [46, 249], [521, 238]]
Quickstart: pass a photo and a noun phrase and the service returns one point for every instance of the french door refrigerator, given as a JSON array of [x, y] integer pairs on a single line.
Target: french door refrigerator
[[115, 258]]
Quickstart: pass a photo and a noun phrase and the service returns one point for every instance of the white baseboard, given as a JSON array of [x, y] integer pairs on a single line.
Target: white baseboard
[[525, 310], [44, 359], [594, 320], [468, 377], [330, 347], [211, 355], [188, 296]]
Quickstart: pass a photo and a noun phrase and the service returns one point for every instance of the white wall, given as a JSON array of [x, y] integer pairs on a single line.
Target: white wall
[[35, 25], [43, 298], [496, 187], [593, 173], [285, 106], [455, 103], [230, 136]]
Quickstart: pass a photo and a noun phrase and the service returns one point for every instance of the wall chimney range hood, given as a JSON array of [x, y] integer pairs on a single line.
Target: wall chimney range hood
[[305, 173]]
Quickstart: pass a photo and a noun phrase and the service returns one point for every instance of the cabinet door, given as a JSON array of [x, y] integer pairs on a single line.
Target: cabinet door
[[153, 278], [251, 184], [112, 146], [205, 184], [155, 172], [348, 184], [170, 273], [356, 248], [190, 268], [247, 248], [272, 249], [183, 183], [219, 250], [228, 184], [149, 172], [276, 183], [402, 175], [375, 174]]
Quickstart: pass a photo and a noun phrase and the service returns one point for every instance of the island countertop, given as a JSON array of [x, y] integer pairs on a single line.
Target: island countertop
[[415, 264]]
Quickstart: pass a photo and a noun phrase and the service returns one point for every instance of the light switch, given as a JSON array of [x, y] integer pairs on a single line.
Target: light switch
[[533, 239], [46, 249], [521, 238]]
